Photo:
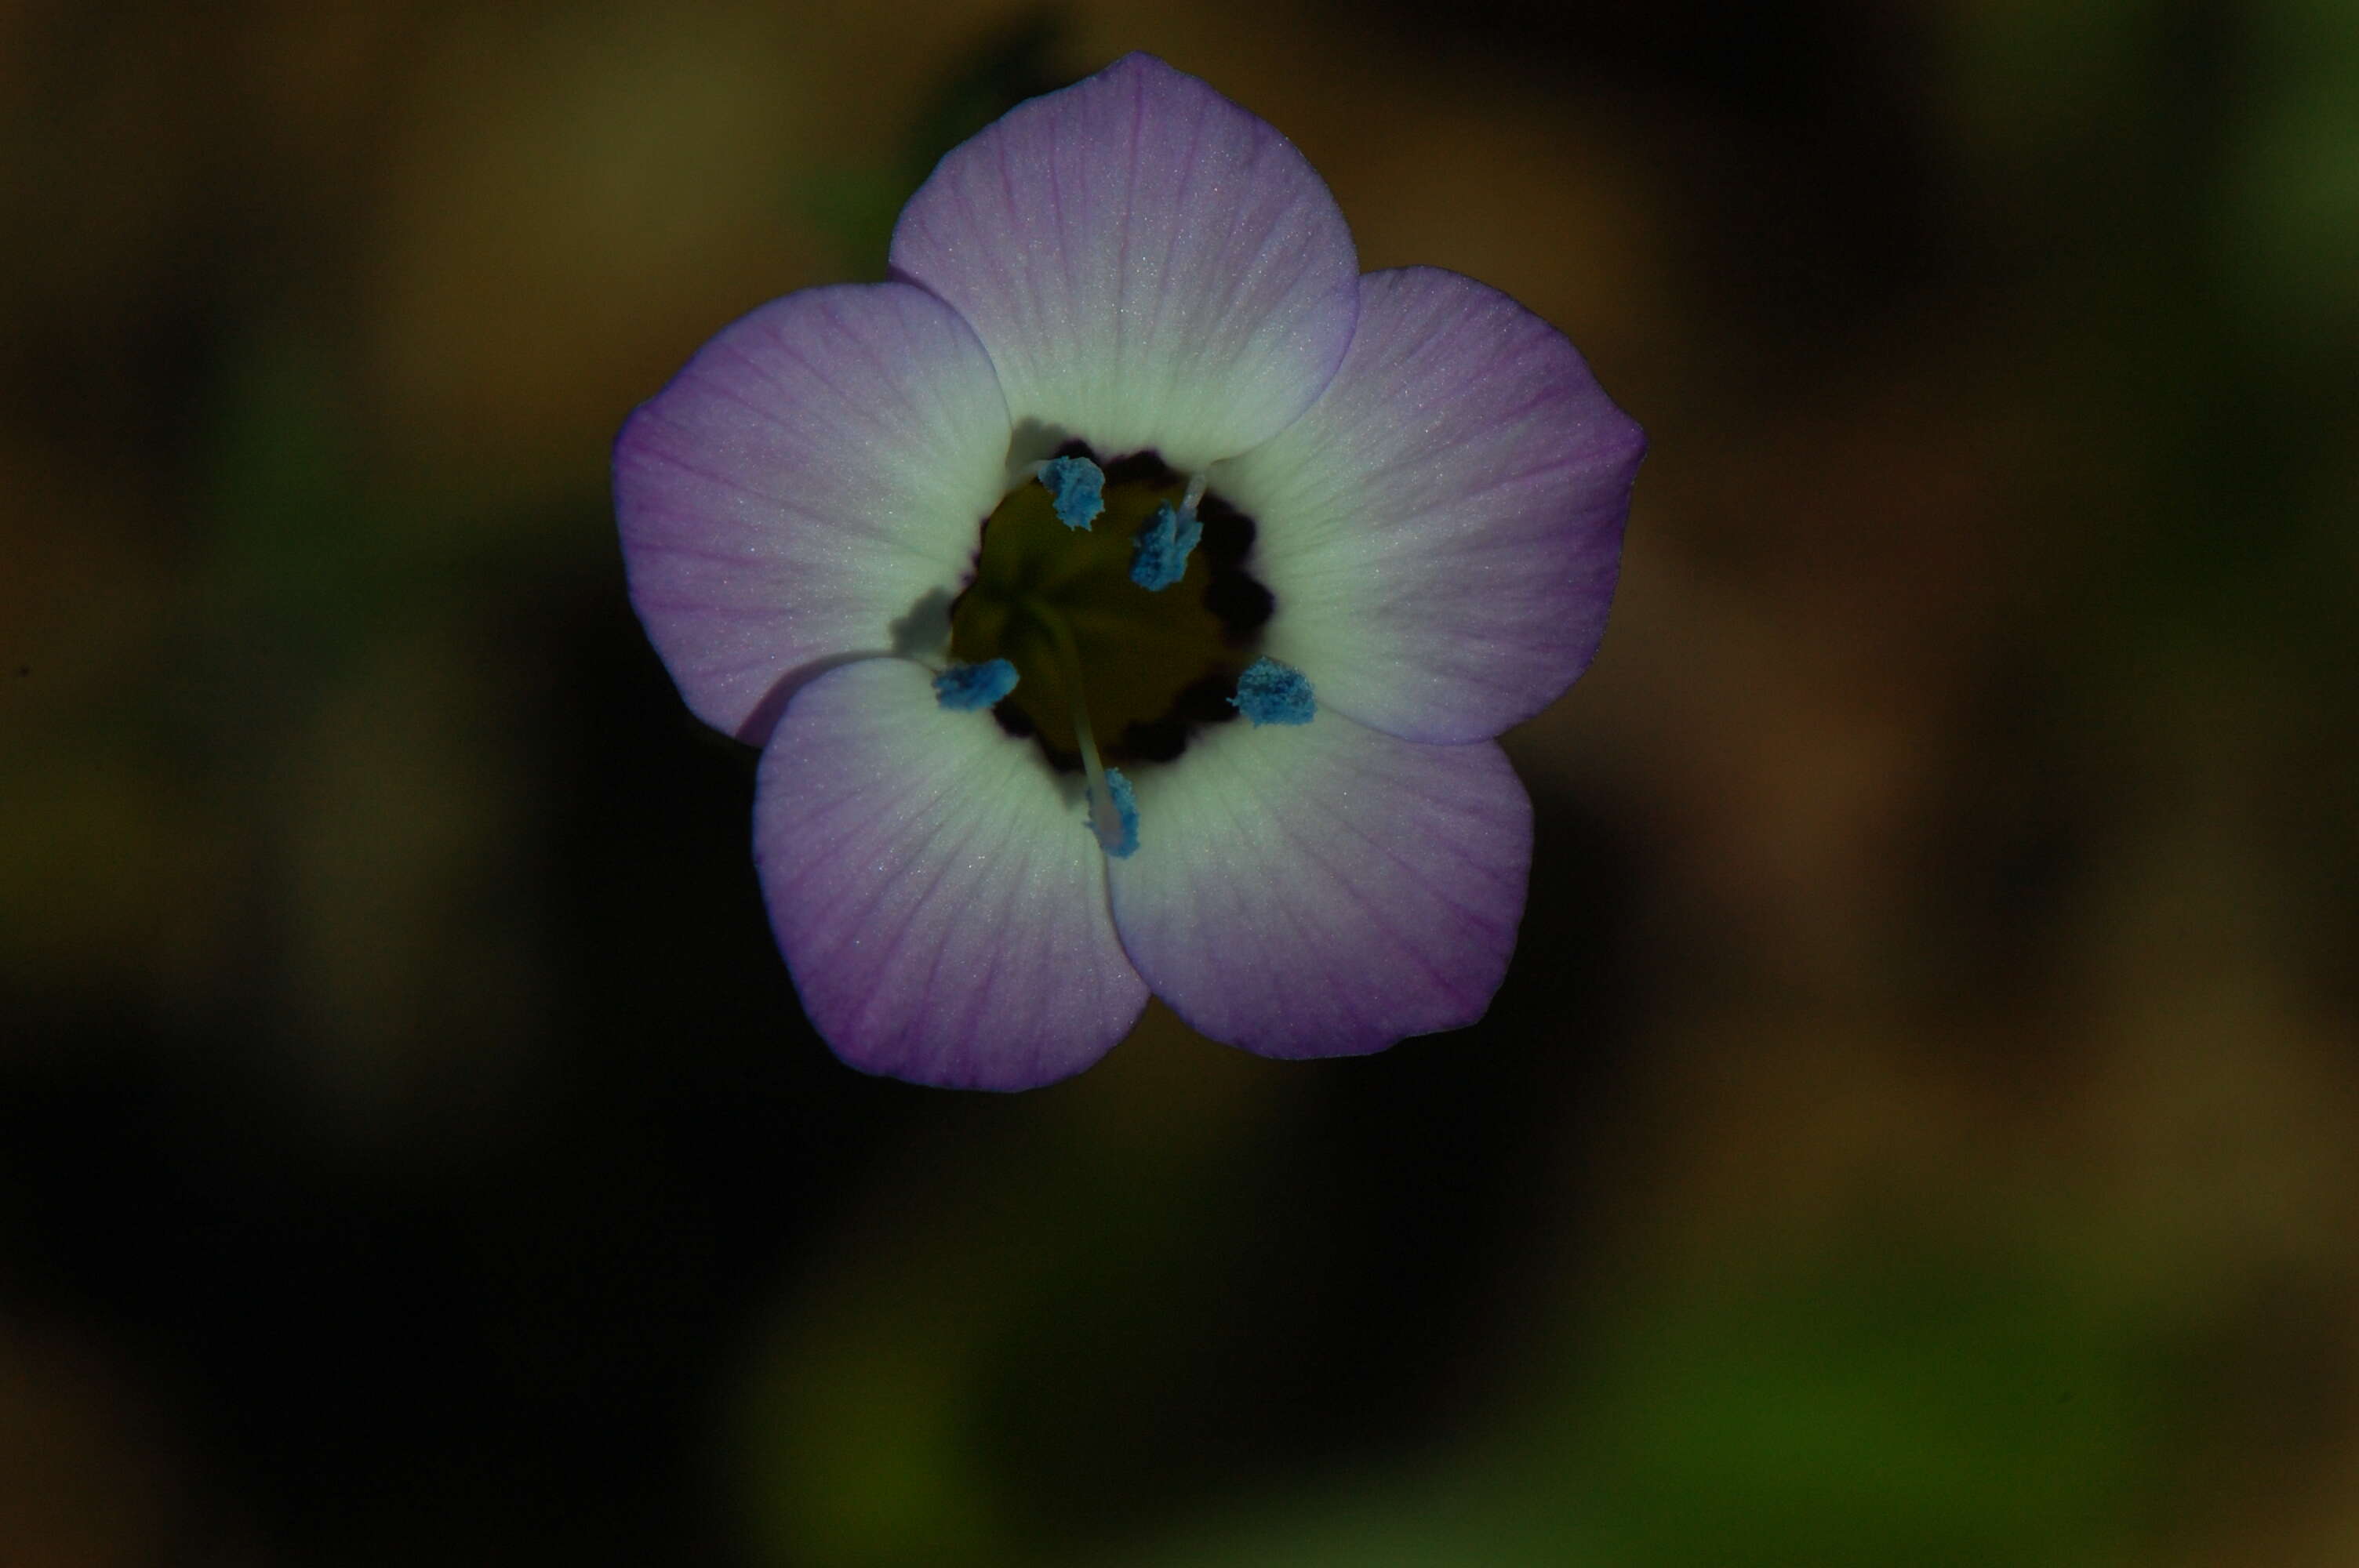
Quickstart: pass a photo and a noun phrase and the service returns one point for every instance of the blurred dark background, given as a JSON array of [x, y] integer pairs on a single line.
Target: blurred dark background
[[1921, 1126]]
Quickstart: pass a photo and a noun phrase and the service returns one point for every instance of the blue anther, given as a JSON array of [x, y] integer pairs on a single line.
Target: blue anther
[[963, 688], [1126, 807], [1159, 557], [1272, 693], [1076, 488]]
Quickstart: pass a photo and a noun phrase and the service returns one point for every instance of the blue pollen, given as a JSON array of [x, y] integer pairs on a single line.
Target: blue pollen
[[1272, 693], [963, 688], [1076, 488], [1159, 556], [1125, 806]]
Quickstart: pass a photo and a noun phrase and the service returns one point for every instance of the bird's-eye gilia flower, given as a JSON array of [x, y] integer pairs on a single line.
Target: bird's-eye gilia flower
[[1125, 598]]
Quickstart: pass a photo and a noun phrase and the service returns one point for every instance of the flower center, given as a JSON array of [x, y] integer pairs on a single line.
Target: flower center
[[1125, 630]]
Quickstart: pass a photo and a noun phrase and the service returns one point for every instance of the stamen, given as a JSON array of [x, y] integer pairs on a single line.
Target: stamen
[[1159, 556], [1272, 693], [1076, 488], [963, 688], [1125, 809], [1195, 496], [1113, 811]]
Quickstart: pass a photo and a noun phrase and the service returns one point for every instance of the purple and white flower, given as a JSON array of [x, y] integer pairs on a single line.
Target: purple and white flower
[[1128, 439]]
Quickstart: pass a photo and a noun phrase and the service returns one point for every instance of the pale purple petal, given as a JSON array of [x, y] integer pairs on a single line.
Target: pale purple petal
[[811, 488], [936, 889], [1149, 265], [1324, 889], [1443, 528]]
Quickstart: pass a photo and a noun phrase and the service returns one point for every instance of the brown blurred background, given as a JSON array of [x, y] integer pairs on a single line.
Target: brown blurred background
[[1921, 1126]]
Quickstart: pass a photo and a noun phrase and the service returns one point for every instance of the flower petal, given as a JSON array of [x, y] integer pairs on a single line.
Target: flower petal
[[811, 488], [1443, 528], [1324, 889], [1149, 265], [935, 888]]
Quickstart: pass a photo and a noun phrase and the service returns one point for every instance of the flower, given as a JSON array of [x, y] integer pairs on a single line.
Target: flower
[[1128, 439]]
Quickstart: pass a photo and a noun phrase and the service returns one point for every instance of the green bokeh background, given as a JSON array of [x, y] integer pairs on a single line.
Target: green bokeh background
[[1921, 1125]]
